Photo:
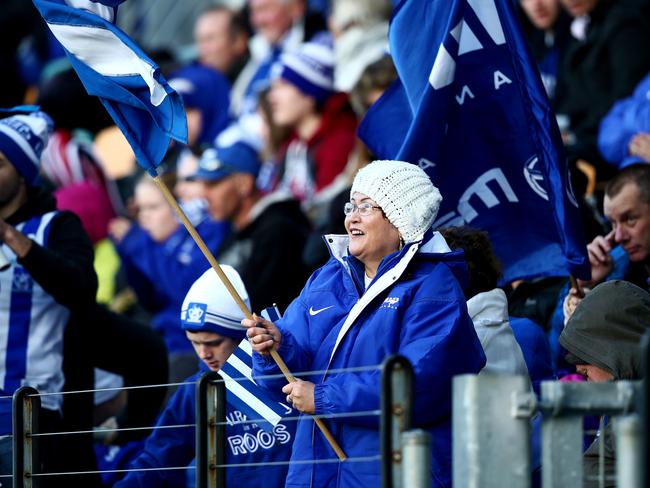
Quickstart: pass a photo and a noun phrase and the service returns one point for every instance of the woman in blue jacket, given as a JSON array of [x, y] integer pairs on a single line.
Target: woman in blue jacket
[[390, 287]]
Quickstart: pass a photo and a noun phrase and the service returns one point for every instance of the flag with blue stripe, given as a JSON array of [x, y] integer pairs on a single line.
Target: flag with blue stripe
[[112, 67], [470, 108], [245, 395]]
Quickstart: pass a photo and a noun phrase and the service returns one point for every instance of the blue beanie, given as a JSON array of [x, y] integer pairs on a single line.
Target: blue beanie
[[22, 140], [209, 307], [310, 69]]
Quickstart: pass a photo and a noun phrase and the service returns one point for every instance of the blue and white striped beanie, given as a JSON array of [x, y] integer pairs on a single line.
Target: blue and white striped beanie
[[22, 140], [310, 68], [208, 306]]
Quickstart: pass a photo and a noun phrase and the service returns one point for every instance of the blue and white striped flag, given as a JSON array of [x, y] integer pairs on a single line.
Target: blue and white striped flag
[[246, 396], [112, 67]]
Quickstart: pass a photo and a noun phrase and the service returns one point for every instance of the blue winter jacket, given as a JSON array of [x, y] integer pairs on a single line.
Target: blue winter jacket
[[245, 443], [413, 307], [161, 273], [626, 118]]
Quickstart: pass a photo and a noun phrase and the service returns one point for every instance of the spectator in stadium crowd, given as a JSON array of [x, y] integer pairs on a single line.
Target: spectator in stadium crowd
[[603, 63], [161, 261], [211, 319], [206, 97], [221, 36], [279, 26], [624, 134], [602, 338], [49, 274], [269, 232], [391, 287], [360, 32], [323, 124], [546, 26]]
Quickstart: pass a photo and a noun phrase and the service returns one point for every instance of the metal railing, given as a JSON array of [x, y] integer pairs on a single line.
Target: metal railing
[[404, 459]]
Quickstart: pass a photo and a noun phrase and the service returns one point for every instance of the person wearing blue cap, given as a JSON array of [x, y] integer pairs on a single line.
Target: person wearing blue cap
[[211, 320], [269, 231], [47, 275]]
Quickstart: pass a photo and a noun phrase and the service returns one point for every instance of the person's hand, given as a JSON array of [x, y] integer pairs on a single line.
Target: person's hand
[[19, 243], [640, 146], [571, 302], [118, 228], [599, 258], [263, 335], [300, 394]]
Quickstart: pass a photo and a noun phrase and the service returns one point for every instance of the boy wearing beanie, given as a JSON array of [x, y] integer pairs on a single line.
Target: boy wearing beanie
[[323, 125], [211, 320], [49, 273]]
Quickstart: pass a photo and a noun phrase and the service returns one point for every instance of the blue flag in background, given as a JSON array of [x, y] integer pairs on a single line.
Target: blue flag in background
[[469, 107], [112, 67]]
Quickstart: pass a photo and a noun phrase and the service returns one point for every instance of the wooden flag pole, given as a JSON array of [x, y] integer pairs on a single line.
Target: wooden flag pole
[[231, 289]]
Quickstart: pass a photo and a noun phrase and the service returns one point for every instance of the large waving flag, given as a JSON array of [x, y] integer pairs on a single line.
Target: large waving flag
[[469, 107], [112, 67]]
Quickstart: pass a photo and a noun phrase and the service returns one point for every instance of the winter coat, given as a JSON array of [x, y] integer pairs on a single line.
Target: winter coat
[[535, 348], [627, 118], [245, 443], [162, 272], [414, 307]]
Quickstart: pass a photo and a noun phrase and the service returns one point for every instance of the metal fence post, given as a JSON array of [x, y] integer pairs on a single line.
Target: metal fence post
[[628, 451], [491, 431], [416, 453], [397, 386], [645, 408], [210, 431], [25, 447]]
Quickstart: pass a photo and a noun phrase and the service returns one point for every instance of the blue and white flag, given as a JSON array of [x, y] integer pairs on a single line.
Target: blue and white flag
[[112, 67], [246, 396], [470, 108]]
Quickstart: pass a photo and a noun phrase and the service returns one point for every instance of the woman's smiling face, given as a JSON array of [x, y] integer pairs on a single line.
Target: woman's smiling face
[[372, 236]]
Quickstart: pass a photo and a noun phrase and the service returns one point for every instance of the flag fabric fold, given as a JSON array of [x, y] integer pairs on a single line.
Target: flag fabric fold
[[470, 108], [112, 67]]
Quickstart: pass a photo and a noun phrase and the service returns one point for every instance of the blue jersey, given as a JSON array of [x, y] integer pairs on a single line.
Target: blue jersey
[[32, 324]]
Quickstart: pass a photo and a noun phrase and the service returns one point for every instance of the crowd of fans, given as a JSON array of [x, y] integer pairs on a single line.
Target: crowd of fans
[[273, 97]]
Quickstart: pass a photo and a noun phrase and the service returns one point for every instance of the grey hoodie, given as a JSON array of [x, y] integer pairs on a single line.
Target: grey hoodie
[[605, 331], [606, 328]]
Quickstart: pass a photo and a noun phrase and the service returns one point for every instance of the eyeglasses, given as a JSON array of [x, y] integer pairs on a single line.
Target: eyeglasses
[[363, 208]]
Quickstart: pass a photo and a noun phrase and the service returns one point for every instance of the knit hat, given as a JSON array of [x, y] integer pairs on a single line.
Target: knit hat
[[606, 328], [405, 194], [208, 306], [218, 162], [22, 140], [310, 68]]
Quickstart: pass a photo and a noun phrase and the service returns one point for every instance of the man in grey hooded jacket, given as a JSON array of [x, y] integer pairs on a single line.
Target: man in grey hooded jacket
[[602, 338]]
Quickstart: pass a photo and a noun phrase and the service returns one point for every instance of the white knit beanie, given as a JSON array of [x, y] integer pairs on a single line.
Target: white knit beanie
[[405, 194]]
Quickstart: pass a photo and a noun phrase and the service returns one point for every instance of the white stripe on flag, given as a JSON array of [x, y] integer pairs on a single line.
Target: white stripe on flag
[[246, 347], [107, 13], [251, 400], [241, 366], [105, 53]]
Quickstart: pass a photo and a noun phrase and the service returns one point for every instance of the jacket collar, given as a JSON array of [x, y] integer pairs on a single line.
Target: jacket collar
[[488, 308]]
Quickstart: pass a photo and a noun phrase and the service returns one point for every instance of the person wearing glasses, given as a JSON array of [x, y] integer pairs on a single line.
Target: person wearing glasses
[[390, 287]]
